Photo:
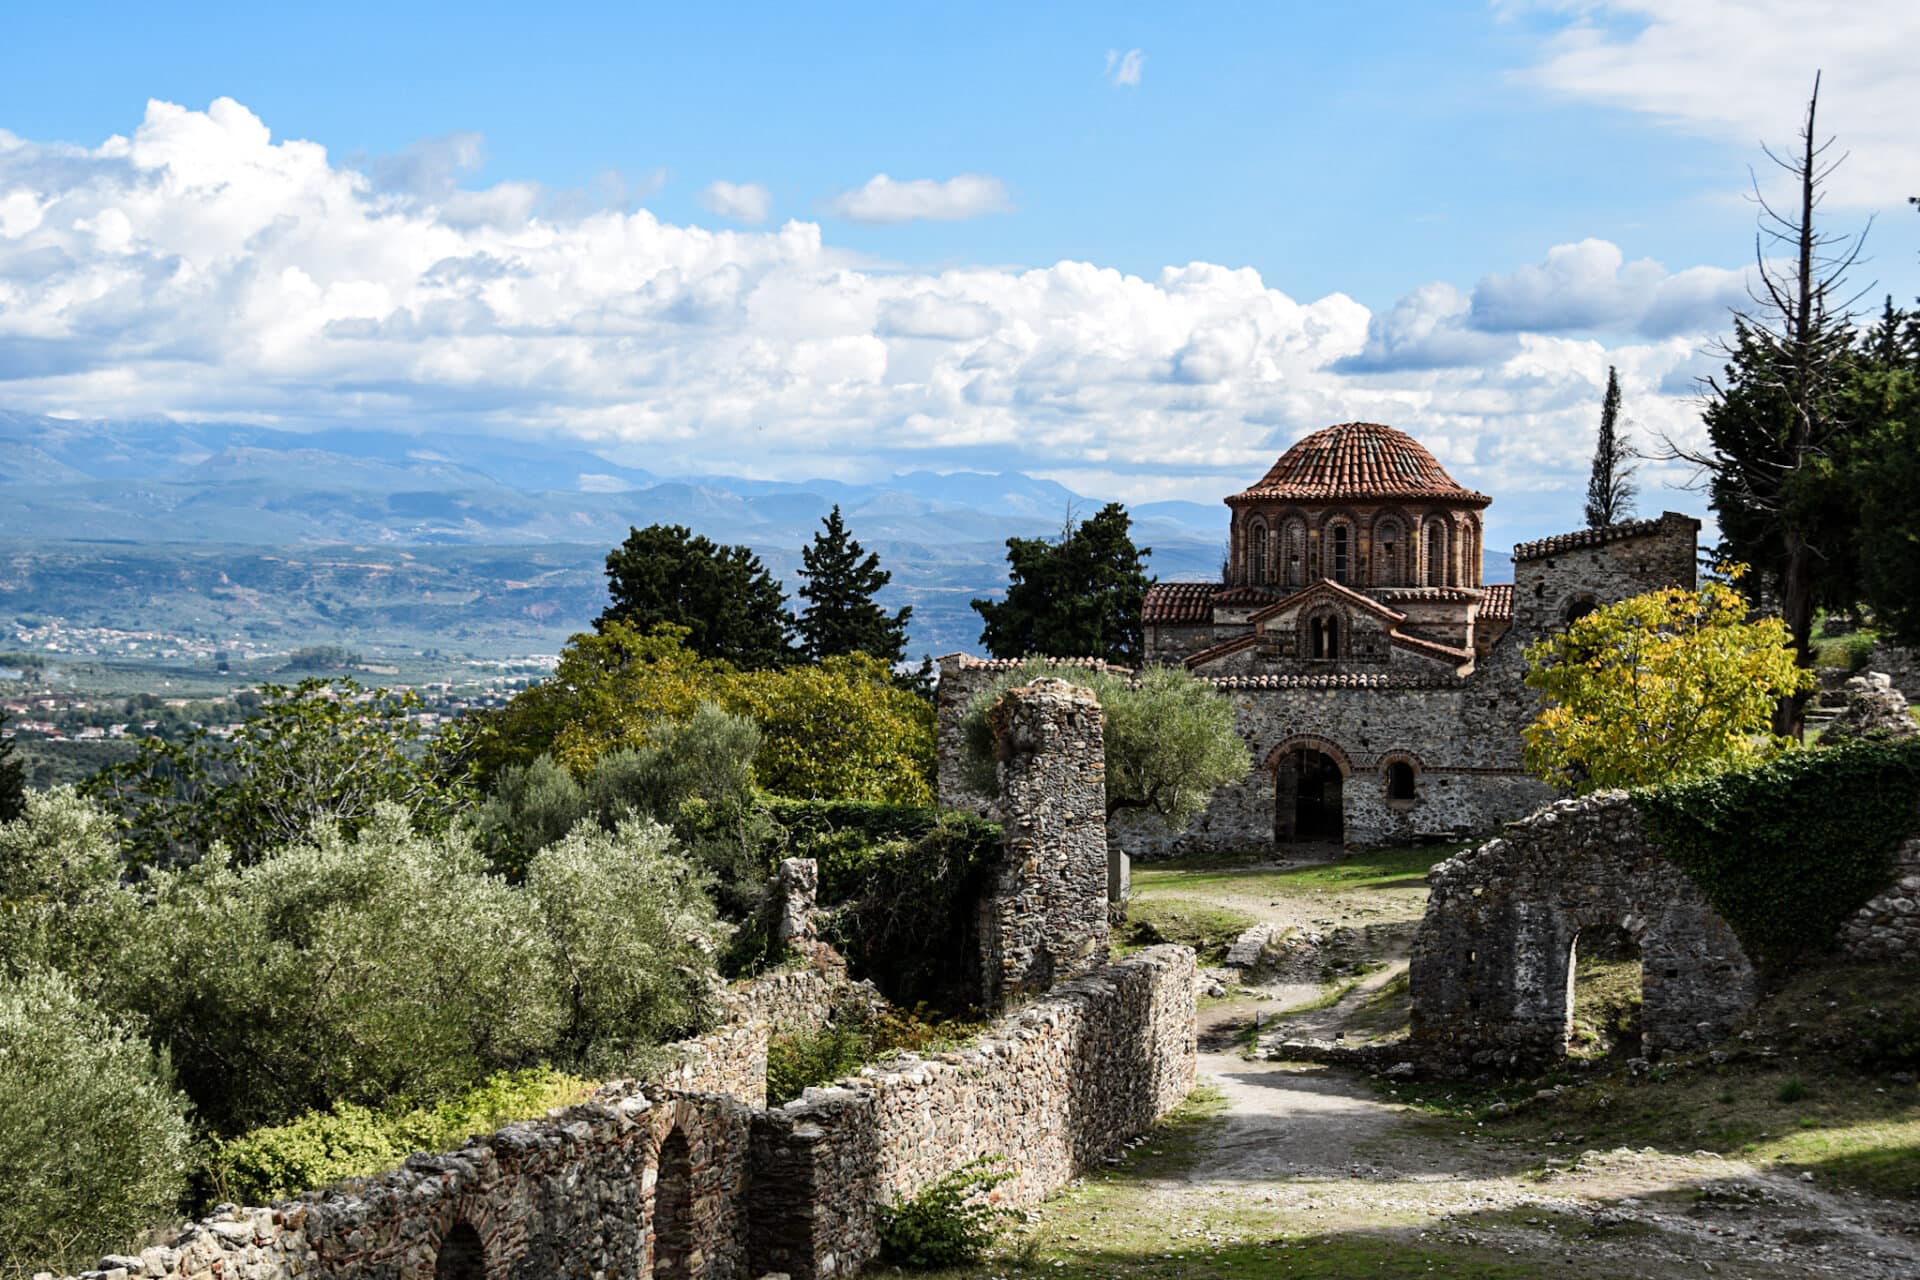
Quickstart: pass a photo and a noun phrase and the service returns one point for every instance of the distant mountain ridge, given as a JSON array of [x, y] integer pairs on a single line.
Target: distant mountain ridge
[[149, 482]]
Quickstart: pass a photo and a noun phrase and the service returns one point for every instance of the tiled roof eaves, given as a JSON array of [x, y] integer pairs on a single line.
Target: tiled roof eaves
[[1349, 681], [1179, 602], [1224, 648], [1498, 602], [1313, 493], [1432, 648], [1327, 586], [1561, 542]]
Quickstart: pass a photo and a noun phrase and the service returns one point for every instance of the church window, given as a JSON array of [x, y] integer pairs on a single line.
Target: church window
[[1342, 552], [1296, 554], [1259, 536], [1436, 555], [1400, 781]]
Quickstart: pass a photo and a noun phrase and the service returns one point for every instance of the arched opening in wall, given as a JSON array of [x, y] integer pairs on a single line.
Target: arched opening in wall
[[1605, 981], [1258, 537], [673, 1210], [1400, 782], [462, 1256], [1342, 553], [1295, 551], [1308, 806], [1324, 636], [1578, 608], [1436, 555], [1388, 545]]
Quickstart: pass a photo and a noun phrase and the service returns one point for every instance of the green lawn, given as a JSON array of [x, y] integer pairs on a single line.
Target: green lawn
[[1372, 869]]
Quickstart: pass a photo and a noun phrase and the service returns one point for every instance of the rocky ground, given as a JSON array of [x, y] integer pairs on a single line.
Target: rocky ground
[[1280, 1168]]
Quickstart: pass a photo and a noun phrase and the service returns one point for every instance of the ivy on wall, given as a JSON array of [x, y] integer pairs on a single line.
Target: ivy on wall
[[1788, 850]]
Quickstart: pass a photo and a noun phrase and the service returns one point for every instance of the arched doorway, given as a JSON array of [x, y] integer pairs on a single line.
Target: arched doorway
[[1308, 802], [463, 1255], [673, 1210]]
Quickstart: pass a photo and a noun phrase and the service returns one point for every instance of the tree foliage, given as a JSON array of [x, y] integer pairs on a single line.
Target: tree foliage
[[1078, 597], [13, 776], [1610, 487], [1778, 419], [319, 751], [1169, 737], [839, 581], [840, 730], [732, 609], [94, 1138], [1667, 685], [1884, 472]]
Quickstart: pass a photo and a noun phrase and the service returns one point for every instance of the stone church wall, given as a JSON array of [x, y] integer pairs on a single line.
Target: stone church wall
[[1051, 1089]]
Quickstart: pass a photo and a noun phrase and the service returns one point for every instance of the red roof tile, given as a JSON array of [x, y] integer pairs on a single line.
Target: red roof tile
[[1498, 602], [1179, 602], [1359, 460]]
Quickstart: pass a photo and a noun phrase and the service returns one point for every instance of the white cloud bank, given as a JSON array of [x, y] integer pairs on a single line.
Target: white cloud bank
[[199, 268], [1739, 71], [884, 200], [747, 202]]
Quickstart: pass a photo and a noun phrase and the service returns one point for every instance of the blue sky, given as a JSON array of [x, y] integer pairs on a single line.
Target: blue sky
[[1457, 215]]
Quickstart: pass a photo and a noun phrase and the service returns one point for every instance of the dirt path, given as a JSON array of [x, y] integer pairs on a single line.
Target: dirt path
[[1318, 1172]]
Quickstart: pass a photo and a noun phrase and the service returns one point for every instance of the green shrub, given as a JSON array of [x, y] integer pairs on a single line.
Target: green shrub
[[1789, 849], [1794, 1090], [853, 1039], [948, 1223], [349, 1141], [93, 1137]]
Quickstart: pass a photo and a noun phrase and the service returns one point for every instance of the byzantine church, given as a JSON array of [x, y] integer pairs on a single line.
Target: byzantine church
[[1377, 679]]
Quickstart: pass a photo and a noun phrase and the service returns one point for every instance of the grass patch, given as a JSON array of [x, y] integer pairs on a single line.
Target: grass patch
[[1381, 1014], [1210, 930], [1606, 1008]]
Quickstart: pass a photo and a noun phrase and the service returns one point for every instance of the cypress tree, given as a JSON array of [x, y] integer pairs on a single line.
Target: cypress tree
[[839, 581], [1610, 487], [13, 777]]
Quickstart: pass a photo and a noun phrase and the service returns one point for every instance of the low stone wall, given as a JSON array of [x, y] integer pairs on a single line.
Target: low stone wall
[[578, 1195], [1492, 963], [1902, 665], [1051, 1089], [733, 1059]]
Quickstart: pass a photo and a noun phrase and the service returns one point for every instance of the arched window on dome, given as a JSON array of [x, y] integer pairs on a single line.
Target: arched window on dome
[[1470, 557], [1294, 551], [1342, 565], [1389, 545], [1257, 535], [1436, 554]]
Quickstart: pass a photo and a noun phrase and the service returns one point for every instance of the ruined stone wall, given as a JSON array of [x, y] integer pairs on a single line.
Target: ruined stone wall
[[963, 676], [1901, 665], [1051, 1089], [1043, 917], [571, 1196], [1491, 969], [1600, 566], [1888, 927]]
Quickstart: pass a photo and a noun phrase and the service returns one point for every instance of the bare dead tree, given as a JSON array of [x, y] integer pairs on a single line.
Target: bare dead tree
[[1778, 410]]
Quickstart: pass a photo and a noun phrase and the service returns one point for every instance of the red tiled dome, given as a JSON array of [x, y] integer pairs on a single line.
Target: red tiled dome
[[1358, 460]]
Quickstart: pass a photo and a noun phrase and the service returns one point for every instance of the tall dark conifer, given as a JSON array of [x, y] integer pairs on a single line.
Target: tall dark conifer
[[732, 608], [13, 777], [1079, 597], [839, 581], [1610, 487]]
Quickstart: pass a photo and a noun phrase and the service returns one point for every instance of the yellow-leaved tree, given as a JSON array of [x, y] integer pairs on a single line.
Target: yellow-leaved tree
[[1666, 685]]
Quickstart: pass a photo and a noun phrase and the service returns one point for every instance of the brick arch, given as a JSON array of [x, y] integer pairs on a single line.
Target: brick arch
[[1325, 746], [1492, 964], [1403, 757]]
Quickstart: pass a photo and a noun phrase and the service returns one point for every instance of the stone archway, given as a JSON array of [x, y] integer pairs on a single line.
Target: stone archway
[[462, 1255], [1492, 962], [673, 1228], [1309, 792]]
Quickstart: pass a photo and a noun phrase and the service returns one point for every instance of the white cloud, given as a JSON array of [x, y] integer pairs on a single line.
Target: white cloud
[[202, 269], [1740, 71], [882, 199], [1590, 285], [1123, 69], [747, 202]]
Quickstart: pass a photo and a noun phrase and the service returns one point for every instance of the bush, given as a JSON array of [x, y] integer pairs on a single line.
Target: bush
[[381, 967], [840, 730], [633, 940], [1789, 849], [59, 873], [93, 1137], [853, 1039], [349, 1141], [948, 1223]]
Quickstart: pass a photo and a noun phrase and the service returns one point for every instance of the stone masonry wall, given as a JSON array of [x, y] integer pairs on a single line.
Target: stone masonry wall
[[1043, 918], [962, 678], [1901, 665], [1599, 566], [1051, 1089], [1888, 927], [1491, 969]]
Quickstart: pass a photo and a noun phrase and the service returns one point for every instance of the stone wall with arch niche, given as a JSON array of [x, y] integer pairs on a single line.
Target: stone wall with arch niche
[[1492, 965]]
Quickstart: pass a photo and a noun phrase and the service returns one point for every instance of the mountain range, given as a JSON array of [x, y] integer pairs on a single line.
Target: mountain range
[[495, 542]]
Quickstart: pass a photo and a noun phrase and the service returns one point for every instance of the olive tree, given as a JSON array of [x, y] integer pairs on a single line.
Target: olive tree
[[1170, 740]]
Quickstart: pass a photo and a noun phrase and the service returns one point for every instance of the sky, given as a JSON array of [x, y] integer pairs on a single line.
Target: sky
[[1136, 249]]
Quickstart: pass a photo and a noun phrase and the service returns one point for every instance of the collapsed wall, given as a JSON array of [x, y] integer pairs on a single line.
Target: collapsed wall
[[1051, 1089]]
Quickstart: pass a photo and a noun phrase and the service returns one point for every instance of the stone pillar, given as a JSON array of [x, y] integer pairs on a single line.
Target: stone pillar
[[1044, 916], [799, 886]]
